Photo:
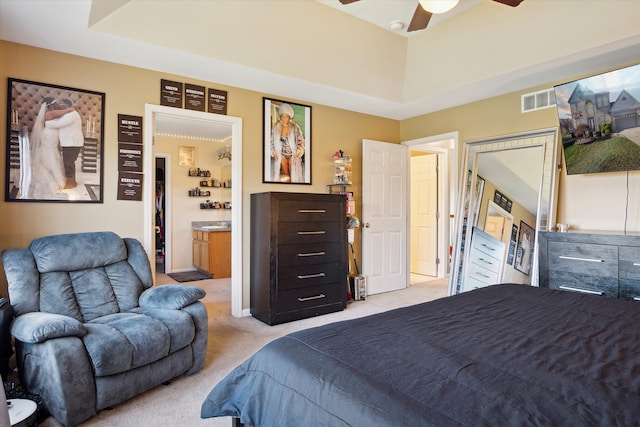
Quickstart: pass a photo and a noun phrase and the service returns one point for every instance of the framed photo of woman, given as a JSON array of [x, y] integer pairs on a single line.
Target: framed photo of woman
[[286, 142], [55, 143], [524, 252]]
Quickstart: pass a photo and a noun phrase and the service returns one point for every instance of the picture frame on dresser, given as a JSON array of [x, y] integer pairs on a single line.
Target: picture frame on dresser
[[54, 143], [286, 142], [524, 251]]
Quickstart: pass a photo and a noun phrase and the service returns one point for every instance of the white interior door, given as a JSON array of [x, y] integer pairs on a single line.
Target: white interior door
[[424, 214], [384, 215]]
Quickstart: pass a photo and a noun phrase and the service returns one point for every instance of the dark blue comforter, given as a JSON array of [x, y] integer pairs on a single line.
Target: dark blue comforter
[[506, 355]]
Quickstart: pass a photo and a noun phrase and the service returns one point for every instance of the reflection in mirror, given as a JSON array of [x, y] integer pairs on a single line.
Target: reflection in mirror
[[498, 222], [514, 179]]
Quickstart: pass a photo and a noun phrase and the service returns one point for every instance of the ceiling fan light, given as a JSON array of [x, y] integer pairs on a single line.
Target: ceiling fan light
[[438, 6]]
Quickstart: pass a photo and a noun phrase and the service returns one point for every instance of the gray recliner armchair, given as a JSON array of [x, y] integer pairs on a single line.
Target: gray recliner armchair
[[90, 330]]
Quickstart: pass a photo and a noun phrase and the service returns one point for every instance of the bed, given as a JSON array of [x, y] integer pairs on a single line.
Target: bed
[[505, 355]]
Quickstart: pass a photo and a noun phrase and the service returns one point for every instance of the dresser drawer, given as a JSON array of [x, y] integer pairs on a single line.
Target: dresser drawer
[[309, 253], [313, 296], [489, 246], [298, 255], [485, 261], [630, 289], [470, 284], [482, 274], [584, 258], [308, 232], [301, 276], [310, 210], [590, 284], [629, 266]]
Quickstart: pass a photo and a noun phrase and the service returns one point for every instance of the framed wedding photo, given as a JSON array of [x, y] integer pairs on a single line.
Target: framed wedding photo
[[55, 146], [286, 142]]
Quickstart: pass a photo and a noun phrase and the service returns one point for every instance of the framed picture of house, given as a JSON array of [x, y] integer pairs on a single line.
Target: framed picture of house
[[524, 251], [286, 142], [54, 143]]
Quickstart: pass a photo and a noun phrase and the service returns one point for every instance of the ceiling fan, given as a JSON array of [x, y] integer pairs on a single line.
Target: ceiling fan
[[421, 16]]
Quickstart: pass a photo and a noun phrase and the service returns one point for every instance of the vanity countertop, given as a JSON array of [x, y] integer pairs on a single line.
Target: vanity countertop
[[211, 226]]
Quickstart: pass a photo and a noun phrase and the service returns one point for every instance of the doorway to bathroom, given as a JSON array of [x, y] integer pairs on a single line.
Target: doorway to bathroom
[[192, 122]]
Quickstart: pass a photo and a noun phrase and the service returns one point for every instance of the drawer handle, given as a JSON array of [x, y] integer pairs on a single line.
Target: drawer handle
[[584, 291], [636, 264], [485, 261], [488, 247], [580, 259], [303, 233], [310, 276], [312, 210], [313, 254], [483, 275], [312, 298]]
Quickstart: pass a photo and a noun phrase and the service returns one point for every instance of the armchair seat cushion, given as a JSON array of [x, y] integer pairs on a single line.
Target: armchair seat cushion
[[140, 339]]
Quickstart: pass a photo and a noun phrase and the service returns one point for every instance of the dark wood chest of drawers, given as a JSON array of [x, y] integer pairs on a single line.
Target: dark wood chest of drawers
[[298, 255], [601, 264]]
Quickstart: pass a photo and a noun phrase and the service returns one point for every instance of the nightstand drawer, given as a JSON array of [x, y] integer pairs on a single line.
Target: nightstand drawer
[[308, 232], [309, 210], [309, 275], [584, 258], [309, 253]]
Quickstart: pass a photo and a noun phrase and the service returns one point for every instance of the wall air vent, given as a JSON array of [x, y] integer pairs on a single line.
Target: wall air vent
[[538, 100]]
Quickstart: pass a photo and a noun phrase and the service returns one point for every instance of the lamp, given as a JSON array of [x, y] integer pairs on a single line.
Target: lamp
[[438, 6]]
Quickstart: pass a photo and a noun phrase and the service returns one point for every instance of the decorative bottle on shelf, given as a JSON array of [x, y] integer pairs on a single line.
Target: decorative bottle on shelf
[[342, 173]]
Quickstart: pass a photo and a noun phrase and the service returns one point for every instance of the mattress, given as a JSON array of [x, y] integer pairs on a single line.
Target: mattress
[[507, 355]]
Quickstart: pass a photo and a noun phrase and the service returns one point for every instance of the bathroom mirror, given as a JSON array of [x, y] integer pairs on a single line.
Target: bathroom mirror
[[509, 182]]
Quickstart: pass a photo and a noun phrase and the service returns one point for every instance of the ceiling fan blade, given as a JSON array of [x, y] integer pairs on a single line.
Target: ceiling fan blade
[[512, 3], [420, 19], [348, 1]]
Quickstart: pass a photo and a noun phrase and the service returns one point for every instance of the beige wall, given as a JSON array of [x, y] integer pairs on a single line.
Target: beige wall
[[127, 89], [586, 202]]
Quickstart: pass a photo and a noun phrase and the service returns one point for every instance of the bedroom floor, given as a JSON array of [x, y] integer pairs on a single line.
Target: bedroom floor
[[232, 340]]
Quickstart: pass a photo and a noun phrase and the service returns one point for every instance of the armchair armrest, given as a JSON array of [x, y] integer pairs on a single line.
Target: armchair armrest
[[37, 327], [173, 297]]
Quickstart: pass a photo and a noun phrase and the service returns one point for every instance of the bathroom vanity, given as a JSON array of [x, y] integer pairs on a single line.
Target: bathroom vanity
[[212, 248]]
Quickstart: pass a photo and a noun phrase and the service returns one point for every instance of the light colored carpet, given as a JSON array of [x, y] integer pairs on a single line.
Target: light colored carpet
[[231, 341]]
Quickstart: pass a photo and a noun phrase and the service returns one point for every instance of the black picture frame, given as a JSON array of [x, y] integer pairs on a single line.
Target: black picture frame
[[35, 162], [524, 251], [277, 168], [512, 244]]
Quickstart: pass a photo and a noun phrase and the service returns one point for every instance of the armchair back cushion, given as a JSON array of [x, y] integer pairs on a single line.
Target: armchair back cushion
[[87, 277]]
